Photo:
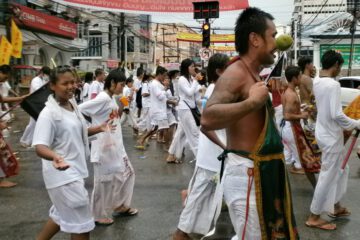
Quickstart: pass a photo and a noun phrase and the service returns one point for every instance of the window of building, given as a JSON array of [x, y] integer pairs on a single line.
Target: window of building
[[130, 44]]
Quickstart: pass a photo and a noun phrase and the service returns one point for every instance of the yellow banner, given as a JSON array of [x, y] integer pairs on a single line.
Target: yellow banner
[[5, 51], [215, 38], [16, 40], [223, 48]]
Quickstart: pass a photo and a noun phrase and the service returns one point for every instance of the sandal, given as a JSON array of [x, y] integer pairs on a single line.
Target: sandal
[[322, 225], [176, 161], [104, 222], [128, 213], [344, 212]]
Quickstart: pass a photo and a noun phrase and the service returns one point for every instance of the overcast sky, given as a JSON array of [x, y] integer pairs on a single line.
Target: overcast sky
[[280, 9]]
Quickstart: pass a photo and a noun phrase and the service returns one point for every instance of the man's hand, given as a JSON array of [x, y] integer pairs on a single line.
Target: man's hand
[[258, 94], [59, 163], [3, 125], [304, 115]]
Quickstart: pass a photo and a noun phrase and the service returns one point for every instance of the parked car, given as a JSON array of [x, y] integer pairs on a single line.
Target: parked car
[[350, 89]]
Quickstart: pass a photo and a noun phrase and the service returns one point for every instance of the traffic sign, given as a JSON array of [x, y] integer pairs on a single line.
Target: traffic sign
[[205, 53]]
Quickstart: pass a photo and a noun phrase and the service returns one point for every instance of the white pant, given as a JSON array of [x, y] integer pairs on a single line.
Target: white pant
[[332, 183], [199, 210], [71, 208], [191, 130], [112, 191], [129, 118], [178, 143], [290, 149], [145, 121], [235, 194], [28, 134]]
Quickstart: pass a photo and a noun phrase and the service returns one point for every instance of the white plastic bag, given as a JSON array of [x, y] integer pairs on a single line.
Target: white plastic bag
[[110, 151]]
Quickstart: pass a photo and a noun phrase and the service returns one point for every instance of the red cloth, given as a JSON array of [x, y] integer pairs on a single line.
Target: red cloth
[[276, 98], [8, 162]]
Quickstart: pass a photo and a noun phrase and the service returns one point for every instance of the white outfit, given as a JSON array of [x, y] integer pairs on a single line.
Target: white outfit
[[85, 92], [130, 118], [187, 93], [145, 121], [95, 88], [65, 132], [178, 143], [115, 189], [169, 109], [158, 99], [4, 91], [199, 210], [28, 134], [291, 152], [235, 184], [330, 122]]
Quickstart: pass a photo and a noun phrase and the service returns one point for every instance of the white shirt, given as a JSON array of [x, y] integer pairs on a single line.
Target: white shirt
[[187, 92], [208, 151], [95, 88], [127, 92], [36, 83], [101, 109], [85, 92], [5, 88], [145, 100], [175, 83], [157, 100], [137, 83], [330, 120], [66, 139]]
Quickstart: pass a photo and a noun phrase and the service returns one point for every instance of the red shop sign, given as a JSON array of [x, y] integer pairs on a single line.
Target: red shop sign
[[36, 20]]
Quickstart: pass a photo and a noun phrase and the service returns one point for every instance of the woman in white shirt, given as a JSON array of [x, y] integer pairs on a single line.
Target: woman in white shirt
[[61, 140], [188, 87], [112, 191], [89, 77]]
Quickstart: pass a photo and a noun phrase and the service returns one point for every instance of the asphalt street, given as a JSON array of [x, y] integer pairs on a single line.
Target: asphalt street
[[24, 209]]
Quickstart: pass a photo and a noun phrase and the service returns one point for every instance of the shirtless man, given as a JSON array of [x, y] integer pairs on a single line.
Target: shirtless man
[[307, 67], [240, 105], [292, 132]]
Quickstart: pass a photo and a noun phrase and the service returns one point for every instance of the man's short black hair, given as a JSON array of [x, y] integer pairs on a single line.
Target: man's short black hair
[[5, 69], [160, 70], [140, 71], [330, 58], [45, 70], [303, 61], [216, 61], [250, 20], [98, 72], [291, 72]]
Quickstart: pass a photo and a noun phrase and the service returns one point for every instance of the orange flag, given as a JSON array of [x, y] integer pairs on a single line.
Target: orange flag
[[5, 51], [16, 40]]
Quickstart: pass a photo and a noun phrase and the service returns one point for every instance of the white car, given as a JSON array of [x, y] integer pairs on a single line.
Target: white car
[[350, 89]]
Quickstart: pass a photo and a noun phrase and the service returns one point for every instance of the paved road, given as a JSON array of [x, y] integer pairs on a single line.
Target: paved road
[[24, 209]]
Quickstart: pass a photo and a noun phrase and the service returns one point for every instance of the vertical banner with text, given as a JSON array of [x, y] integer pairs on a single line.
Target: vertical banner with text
[[5, 51], [16, 40]]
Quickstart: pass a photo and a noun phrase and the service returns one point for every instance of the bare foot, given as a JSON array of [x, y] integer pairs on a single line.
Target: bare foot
[[7, 184], [180, 235], [295, 170]]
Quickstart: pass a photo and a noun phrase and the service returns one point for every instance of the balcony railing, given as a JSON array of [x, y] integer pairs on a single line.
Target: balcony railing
[[94, 49]]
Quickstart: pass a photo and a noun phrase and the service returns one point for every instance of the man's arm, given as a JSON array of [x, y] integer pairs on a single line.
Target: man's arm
[[211, 135], [223, 109]]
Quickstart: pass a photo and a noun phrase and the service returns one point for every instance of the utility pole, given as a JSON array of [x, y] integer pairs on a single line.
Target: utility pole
[[352, 31], [178, 50], [122, 26], [155, 42], [163, 33]]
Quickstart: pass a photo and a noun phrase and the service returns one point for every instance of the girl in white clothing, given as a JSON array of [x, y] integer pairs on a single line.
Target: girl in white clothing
[[112, 191], [188, 87], [61, 140]]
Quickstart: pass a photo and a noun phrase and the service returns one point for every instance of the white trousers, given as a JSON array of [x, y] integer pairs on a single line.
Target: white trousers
[[178, 143], [145, 121], [290, 149], [199, 210], [332, 183], [112, 191], [28, 134], [235, 194], [190, 129], [129, 118], [71, 208]]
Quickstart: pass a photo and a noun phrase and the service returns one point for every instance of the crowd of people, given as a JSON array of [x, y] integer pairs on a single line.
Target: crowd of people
[[241, 140]]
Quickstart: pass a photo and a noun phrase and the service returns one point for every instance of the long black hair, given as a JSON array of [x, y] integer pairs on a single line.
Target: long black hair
[[184, 68]]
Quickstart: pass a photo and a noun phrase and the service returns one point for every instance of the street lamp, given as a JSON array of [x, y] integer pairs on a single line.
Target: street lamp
[[295, 19]]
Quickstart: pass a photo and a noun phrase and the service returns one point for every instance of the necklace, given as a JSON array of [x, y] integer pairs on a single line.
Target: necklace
[[257, 79]]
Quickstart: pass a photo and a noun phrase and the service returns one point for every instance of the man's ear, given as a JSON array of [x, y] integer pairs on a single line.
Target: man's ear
[[254, 39]]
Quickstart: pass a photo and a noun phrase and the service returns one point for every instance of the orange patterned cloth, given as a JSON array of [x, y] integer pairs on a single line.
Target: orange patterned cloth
[[353, 110]]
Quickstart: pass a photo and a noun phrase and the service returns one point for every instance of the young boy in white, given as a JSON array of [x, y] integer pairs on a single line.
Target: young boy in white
[[97, 85], [145, 122], [61, 140], [199, 211], [112, 191]]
